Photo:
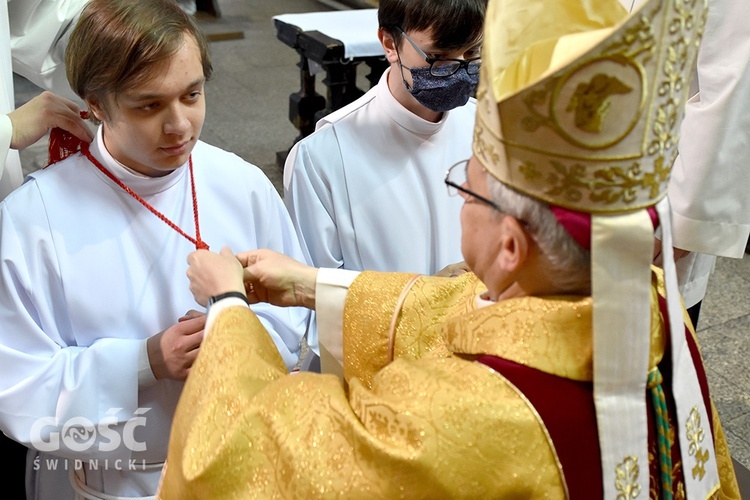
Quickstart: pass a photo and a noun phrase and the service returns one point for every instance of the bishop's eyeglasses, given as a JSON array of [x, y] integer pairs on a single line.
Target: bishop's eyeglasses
[[455, 180], [446, 67]]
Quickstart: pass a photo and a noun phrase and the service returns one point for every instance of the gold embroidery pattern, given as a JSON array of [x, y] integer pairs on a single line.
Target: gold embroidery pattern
[[367, 318], [614, 116], [535, 99], [606, 185], [552, 334], [685, 35], [485, 146], [586, 90], [366, 345], [695, 436], [591, 103], [638, 38], [626, 478], [388, 424]]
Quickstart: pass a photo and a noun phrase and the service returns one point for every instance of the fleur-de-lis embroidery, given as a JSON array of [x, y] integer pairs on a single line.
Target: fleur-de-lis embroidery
[[626, 479], [695, 435]]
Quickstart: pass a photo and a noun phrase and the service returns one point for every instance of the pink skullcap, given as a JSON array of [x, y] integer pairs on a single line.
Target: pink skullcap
[[578, 224]]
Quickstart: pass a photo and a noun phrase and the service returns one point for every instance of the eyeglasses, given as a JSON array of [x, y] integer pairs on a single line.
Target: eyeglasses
[[446, 67], [455, 178]]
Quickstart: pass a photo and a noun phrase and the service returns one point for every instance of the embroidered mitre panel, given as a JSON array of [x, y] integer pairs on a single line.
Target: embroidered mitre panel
[[600, 134]]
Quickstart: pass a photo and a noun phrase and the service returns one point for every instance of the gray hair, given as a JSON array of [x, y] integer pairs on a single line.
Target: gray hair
[[570, 263]]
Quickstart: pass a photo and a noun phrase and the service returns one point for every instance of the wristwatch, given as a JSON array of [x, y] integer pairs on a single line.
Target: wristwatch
[[216, 298]]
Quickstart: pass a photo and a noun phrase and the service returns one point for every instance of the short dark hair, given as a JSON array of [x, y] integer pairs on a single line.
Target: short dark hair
[[453, 24], [117, 44]]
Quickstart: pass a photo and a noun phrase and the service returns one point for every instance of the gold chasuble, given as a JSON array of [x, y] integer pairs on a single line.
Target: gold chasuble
[[432, 423]]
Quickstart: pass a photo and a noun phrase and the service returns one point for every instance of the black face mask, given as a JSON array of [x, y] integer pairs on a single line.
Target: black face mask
[[441, 93]]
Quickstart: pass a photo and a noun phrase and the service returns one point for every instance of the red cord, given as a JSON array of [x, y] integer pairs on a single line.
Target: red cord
[[199, 244]]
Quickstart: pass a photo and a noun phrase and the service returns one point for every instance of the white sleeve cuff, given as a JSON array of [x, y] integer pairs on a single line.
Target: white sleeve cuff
[[6, 133], [145, 374], [723, 239], [331, 289]]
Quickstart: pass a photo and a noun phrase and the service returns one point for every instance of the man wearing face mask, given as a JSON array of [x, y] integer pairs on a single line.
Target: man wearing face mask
[[364, 190]]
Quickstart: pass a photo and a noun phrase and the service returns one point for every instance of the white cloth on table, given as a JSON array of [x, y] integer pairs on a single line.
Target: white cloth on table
[[357, 29], [88, 274]]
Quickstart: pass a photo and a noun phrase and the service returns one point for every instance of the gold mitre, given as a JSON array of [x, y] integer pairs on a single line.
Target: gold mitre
[[580, 105]]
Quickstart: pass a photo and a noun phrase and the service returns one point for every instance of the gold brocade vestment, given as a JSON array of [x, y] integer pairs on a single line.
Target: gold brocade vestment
[[431, 424]]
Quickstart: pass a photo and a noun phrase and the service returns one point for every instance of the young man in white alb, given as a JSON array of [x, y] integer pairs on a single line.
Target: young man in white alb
[[99, 331]]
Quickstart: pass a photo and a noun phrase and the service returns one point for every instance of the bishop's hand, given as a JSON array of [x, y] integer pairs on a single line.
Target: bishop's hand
[[278, 279], [453, 270], [659, 255]]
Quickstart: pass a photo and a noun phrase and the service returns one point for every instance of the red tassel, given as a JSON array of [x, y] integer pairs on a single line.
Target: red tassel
[[63, 144]]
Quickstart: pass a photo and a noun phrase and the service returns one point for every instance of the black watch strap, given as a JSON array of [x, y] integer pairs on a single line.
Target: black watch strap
[[216, 298]]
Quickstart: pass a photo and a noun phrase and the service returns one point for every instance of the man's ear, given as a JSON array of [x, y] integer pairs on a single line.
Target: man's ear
[[389, 45], [96, 108], [515, 245]]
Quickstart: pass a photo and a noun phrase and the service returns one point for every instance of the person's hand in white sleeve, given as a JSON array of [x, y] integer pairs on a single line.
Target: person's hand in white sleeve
[[41, 114]]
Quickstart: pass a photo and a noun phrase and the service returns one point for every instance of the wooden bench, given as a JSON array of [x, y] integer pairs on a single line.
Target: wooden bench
[[335, 44]]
